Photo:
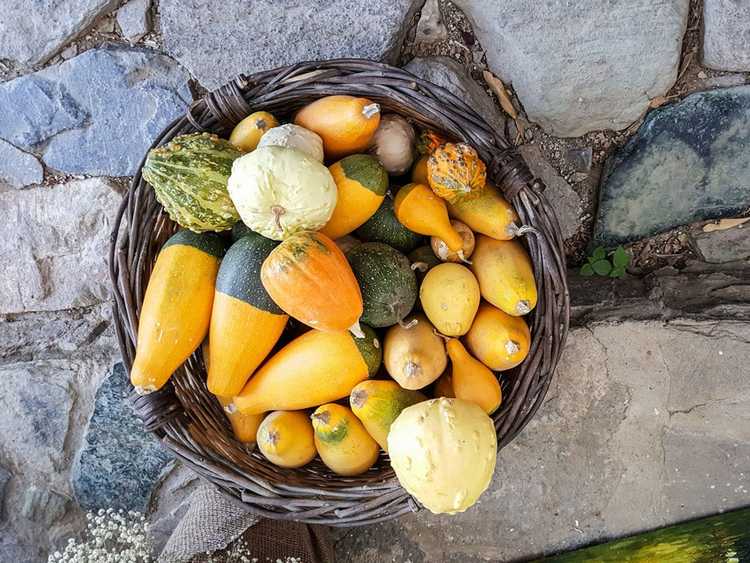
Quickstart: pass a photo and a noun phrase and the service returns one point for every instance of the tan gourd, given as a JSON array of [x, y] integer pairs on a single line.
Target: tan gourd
[[414, 356], [471, 379], [286, 439], [450, 298], [506, 278], [445, 254], [418, 209], [499, 340]]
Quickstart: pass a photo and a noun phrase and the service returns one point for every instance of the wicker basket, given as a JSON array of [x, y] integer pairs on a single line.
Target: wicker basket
[[188, 419]]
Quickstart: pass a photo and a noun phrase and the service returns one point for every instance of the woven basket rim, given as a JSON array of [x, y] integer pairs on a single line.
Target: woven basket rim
[[188, 419]]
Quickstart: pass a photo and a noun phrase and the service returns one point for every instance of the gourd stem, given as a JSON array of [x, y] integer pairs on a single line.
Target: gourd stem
[[523, 307], [463, 259], [512, 347], [370, 109], [278, 211], [356, 330], [406, 326], [421, 266], [522, 230], [231, 408], [440, 335]]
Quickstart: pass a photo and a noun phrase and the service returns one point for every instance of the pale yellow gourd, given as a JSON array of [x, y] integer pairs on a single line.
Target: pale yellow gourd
[[489, 214], [248, 132], [506, 277], [499, 340], [413, 354], [450, 298], [443, 452]]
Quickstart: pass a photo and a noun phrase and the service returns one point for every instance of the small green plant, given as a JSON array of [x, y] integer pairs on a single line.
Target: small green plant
[[603, 263]]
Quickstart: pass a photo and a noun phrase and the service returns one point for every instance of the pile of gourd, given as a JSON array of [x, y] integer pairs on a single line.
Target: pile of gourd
[[299, 314]]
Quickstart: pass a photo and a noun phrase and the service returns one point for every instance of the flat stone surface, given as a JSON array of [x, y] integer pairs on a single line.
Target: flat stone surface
[[119, 463], [4, 478], [564, 199], [581, 66], [28, 336], [645, 424], [687, 162], [246, 37], [18, 168], [35, 411], [43, 506], [726, 34], [31, 32], [96, 113], [133, 19], [719, 247], [430, 27], [57, 238], [449, 74]]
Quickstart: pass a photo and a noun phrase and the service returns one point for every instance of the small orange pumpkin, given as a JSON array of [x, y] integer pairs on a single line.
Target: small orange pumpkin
[[309, 278], [428, 141], [456, 173]]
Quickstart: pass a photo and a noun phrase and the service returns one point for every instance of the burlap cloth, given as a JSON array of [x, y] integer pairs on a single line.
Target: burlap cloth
[[216, 528]]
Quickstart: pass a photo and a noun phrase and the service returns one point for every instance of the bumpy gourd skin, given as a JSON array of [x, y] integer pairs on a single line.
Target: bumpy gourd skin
[[294, 137], [456, 173], [280, 191], [443, 452]]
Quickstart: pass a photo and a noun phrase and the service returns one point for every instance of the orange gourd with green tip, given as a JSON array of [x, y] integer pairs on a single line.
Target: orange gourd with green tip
[[456, 173], [418, 209], [471, 380], [314, 368], [245, 322], [176, 311], [345, 123], [308, 276]]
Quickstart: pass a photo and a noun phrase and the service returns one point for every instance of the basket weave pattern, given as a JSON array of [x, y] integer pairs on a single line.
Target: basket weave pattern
[[190, 421]]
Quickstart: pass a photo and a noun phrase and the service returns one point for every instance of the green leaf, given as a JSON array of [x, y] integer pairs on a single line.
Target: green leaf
[[587, 270], [617, 272], [599, 253], [620, 258], [602, 267]]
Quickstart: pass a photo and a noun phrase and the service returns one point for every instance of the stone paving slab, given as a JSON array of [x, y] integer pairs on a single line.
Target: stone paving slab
[[646, 424]]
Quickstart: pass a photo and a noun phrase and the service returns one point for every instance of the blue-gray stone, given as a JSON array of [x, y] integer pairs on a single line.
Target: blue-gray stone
[[4, 478], [96, 113], [119, 462], [133, 19], [19, 168], [43, 505], [687, 162]]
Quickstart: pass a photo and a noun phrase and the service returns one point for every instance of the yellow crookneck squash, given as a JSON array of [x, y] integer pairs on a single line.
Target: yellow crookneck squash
[[176, 311], [418, 209], [245, 322]]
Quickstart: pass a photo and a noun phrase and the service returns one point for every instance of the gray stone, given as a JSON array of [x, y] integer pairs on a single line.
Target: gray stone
[[43, 506], [4, 478], [96, 113], [726, 34], [430, 27], [11, 549], [246, 37], [133, 19], [645, 424], [688, 162], [119, 462], [57, 238], [453, 77], [18, 168], [27, 336], [581, 66], [35, 411], [564, 200], [729, 245], [31, 32]]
